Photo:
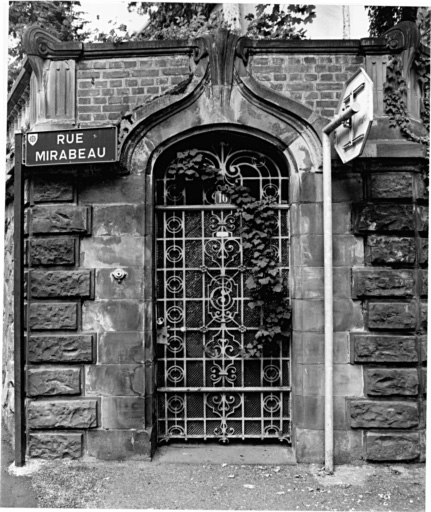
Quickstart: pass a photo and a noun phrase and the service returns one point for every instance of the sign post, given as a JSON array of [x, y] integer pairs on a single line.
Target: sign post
[[18, 306], [351, 125]]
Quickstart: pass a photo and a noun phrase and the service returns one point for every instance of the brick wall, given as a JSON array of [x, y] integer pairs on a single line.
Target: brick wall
[[110, 87], [315, 80], [392, 288]]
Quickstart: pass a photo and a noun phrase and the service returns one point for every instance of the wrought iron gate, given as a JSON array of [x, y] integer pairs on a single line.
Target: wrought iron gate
[[206, 387]]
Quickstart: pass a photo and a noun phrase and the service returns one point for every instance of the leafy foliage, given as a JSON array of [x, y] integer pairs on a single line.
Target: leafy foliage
[[276, 23], [395, 89], [382, 18], [267, 288], [189, 20], [62, 19]]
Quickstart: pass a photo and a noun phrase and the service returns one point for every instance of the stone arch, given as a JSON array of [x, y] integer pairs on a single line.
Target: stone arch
[[246, 105]]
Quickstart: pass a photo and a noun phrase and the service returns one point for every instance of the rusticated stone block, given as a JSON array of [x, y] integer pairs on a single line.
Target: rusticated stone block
[[115, 380], [423, 255], [423, 373], [388, 249], [391, 315], [384, 349], [61, 349], [391, 381], [367, 414], [422, 213], [53, 316], [52, 251], [61, 219], [62, 414], [423, 343], [424, 314], [388, 447], [48, 189], [391, 185], [55, 446], [119, 444], [383, 283], [423, 274], [53, 381], [385, 217], [61, 283]]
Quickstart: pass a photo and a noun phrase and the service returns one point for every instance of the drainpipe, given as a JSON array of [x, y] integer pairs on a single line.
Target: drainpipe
[[327, 262]]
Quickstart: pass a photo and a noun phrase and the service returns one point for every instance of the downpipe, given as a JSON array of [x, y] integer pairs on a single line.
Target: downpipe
[[328, 282]]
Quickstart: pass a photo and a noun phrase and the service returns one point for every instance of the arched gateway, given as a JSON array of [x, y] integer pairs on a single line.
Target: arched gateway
[[138, 324]]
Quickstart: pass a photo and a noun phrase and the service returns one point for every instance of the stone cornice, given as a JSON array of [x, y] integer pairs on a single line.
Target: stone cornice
[[38, 42]]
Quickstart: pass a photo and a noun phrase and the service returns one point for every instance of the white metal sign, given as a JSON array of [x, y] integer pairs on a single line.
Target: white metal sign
[[351, 136]]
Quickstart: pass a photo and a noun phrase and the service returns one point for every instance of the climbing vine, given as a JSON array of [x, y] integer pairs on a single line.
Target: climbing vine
[[267, 288], [395, 93]]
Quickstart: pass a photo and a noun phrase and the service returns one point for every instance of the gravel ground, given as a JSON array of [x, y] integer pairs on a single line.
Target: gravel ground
[[146, 485]]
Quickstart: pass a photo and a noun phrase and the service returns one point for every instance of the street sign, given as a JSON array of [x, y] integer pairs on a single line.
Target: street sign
[[65, 147], [351, 136]]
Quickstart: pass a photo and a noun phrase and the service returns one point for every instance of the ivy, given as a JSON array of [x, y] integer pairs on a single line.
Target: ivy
[[395, 94], [267, 288]]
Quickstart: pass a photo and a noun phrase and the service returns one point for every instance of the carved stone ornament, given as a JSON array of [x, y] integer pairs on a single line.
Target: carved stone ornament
[[403, 36], [39, 42], [221, 47]]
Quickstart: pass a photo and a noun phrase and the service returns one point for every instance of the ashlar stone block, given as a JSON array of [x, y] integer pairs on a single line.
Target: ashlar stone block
[[115, 380], [55, 446], [392, 447], [383, 414], [121, 347], [391, 315], [61, 219], [61, 283], [383, 283], [53, 316], [52, 251], [113, 315], [368, 348], [53, 381], [61, 349], [62, 414], [119, 220], [391, 381], [119, 444], [123, 412]]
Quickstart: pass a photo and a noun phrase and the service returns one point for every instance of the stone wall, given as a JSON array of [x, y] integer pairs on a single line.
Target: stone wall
[[57, 345], [8, 333], [392, 289], [90, 384]]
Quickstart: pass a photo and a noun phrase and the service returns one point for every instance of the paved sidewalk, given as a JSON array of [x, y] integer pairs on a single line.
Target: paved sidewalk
[[16, 491], [182, 478]]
